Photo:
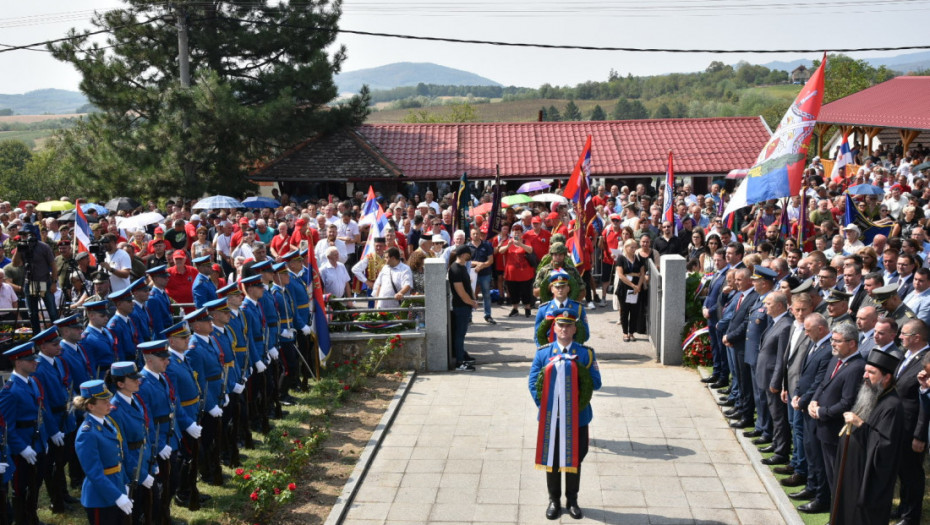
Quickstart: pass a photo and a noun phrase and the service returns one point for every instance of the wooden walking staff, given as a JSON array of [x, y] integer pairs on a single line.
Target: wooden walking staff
[[844, 433]]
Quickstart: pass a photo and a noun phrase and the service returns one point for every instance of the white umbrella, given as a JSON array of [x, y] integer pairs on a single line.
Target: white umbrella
[[138, 222], [549, 197]]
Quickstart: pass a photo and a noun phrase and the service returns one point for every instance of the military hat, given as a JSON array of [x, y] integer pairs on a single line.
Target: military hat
[[564, 316], [806, 286], [303, 253], [886, 361], [761, 272], [558, 247], [157, 348], [217, 305], [380, 240], [158, 271], [123, 295], [100, 278], [202, 260], [252, 280], [49, 335], [73, 321], [264, 266], [25, 351], [884, 293], [280, 267], [837, 296], [124, 369], [95, 389], [229, 289], [177, 330], [558, 275], [96, 306], [290, 256], [139, 285], [197, 316]]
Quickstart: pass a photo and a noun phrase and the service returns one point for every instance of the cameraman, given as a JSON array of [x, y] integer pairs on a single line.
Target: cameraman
[[39, 261], [117, 263]]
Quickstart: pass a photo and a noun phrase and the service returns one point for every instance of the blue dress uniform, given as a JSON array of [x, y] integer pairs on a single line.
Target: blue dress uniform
[[235, 330], [54, 375], [587, 359], [22, 404], [255, 334], [99, 448], [203, 289], [141, 319], [228, 433], [82, 370], [124, 331], [207, 363], [297, 288], [159, 305], [99, 343], [287, 333]]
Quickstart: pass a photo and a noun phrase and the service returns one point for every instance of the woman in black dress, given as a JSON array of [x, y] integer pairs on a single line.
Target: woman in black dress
[[630, 277], [644, 254]]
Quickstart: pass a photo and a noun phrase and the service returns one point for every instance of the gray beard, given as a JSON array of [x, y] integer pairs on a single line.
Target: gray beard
[[866, 400]]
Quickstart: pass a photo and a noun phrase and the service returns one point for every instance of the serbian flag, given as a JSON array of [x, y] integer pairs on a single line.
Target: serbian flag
[[372, 214], [668, 209], [868, 228], [575, 246], [576, 189], [779, 167], [82, 232], [558, 410], [843, 157], [320, 325]]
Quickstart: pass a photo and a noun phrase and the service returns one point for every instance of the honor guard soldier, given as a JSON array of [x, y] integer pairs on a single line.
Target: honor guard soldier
[[271, 337], [133, 421], [22, 402], [158, 394], [233, 384], [203, 289], [54, 376], [190, 403], [142, 320], [81, 370], [159, 305], [297, 287], [121, 326], [838, 308], [98, 342], [287, 333], [6, 468], [206, 361], [554, 361], [559, 286], [254, 318], [99, 448], [893, 306], [235, 329]]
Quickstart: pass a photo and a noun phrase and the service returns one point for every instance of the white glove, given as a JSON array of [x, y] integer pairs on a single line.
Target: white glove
[[3, 467], [124, 504], [215, 412], [260, 367], [194, 430], [149, 480], [157, 470], [286, 334], [238, 388], [59, 439], [273, 352], [225, 400], [29, 455], [165, 452], [306, 329]]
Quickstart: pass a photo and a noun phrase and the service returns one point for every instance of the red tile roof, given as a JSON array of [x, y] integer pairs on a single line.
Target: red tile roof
[[902, 102], [711, 146]]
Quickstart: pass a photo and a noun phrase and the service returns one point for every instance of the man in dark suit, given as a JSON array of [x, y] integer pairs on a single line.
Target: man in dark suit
[[914, 337], [720, 377], [906, 267], [815, 359], [729, 298], [866, 318], [852, 280], [836, 394], [736, 338], [763, 282], [774, 342], [786, 376]]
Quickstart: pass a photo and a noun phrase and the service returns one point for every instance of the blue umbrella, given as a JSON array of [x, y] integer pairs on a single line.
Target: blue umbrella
[[100, 209], [217, 202], [260, 202], [866, 189]]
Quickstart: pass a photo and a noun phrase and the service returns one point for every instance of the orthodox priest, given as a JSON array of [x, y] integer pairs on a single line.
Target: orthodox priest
[[874, 431]]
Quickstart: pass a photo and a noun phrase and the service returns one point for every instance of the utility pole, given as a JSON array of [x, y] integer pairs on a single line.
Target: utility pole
[[184, 72]]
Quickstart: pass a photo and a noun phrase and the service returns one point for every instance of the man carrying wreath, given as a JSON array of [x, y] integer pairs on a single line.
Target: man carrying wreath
[[562, 379]]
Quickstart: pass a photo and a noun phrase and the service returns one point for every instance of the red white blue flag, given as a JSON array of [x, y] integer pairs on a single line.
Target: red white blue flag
[[372, 214], [668, 206], [82, 232], [843, 157]]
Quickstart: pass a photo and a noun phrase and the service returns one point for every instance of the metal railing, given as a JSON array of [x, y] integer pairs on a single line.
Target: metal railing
[[416, 322]]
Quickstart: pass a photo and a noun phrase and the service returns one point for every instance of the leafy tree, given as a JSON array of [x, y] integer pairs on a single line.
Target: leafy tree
[[571, 111], [14, 155], [253, 93], [845, 76], [6, 112], [621, 110], [662, 111], [553, 114], [463, 112], [638, 110], [598, 113]]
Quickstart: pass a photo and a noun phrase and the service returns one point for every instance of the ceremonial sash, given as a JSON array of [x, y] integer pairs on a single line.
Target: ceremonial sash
[[558, 411]]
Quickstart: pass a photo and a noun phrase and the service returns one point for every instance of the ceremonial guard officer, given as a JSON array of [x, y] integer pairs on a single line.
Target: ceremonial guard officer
[[54, 376], [271, 338], [838, 308], [98, 342], [125, 336], [254, 318], [81, 370], [99, 448], [890, 303], [559, 286], [204, 290], [134, 423], [190, 403], [6, 468], [235, 330], [287, 331], [205, 360], [22, 403], [159, 305], [142, 320], [233, 384], [158, 394], [555, 361], [297, 287]]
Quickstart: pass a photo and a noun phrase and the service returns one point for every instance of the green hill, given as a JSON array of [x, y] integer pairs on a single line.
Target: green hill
[[44, 102], [408, 74]]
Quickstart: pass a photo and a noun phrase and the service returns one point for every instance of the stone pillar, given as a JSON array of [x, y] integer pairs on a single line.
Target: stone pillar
[[436, 288], [674, 289]]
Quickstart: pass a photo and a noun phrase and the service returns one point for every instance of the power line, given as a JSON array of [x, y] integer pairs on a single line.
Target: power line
[[28, 47]]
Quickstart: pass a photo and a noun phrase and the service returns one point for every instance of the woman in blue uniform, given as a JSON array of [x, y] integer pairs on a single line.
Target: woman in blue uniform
[[133, 421], [99, 449]]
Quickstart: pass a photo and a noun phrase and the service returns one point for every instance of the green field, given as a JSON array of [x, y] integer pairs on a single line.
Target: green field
[[33, 138], [784, 91]]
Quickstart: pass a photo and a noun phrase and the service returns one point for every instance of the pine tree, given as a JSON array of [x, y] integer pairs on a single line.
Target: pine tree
[[553, 114], [572, 113], [638, 110], [621, 110], [261, 81], [543, 116], [662, 111], [598, 113]]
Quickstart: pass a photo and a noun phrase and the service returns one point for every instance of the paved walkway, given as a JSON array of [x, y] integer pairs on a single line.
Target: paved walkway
[[462, 445]]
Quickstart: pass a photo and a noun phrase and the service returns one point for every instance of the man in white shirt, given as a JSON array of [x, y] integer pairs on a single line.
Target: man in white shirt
[[852, 244], [394, 281], [330, 241], [335, 277], [347, 232], [117, 263]]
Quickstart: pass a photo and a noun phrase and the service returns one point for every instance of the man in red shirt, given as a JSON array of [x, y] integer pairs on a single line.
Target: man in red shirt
[[237, 236], [601, 198], [538, 238], [280, 243], [303, 232], [610, 240], [181, 280], [159, 236]]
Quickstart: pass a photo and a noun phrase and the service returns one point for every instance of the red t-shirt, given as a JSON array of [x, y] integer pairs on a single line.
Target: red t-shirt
[[517, 268], [500, 259], [280, 245], [612, 239], [599, 201], [312, 239], [180, 286], [539, 242]]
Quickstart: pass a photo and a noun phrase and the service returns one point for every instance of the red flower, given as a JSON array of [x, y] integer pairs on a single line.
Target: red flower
[[254, 496], [335, 365], [284, 434], [277, 490], [239, 471], [247, 477], [292, 486], [346, 362], [345, 387], [354, 362]]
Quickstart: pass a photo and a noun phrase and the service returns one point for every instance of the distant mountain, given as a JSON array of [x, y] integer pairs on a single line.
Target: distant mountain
[[903, 63], [43, 101], [408, 74]]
